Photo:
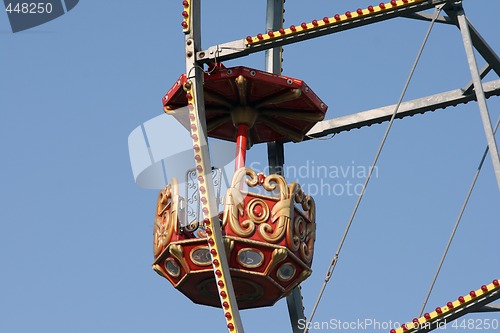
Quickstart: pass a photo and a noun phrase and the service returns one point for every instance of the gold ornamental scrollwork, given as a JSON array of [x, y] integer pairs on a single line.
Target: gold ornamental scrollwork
[[301, 233], [166, 217], [177, 251], [229, 246], [281, 212], [234, 204], [158, 270], [307, 246], [278, 256], [272, 224], [260, 217]]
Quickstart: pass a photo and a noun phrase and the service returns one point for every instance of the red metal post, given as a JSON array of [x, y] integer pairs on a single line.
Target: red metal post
[[241, 146]]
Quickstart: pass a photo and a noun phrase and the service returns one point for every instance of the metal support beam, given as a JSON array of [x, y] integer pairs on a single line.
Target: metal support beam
[[478, 41], [276, 157], [194, 89], [481, 99], [475, 301], [274, 21], [409, 108], [484, 48], [275, 150], [429, 18], [489, 308], [239, 48], [296, 309], [470, 86], [460, 312]]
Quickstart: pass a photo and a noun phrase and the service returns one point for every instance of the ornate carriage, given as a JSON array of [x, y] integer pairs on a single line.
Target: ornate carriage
[[268, 225]]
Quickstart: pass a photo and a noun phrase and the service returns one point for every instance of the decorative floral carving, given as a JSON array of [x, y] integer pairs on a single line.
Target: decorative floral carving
[[166, 217], [279, 255], [177, 251], [272, 224], [301, 234], [233, 207], [280, 214]]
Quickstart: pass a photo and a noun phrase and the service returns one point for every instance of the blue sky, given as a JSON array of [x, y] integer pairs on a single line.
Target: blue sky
[[76, 232]]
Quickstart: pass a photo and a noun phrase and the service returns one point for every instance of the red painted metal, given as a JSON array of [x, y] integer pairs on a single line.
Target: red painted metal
[[269, 237], [241, 146], [285, 119], [281, 243]]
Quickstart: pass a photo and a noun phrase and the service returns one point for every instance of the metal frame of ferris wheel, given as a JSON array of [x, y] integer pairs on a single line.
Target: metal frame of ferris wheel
[[272, 41]]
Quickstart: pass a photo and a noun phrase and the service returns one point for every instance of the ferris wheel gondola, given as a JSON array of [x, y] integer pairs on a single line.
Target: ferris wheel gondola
[[255, 246]]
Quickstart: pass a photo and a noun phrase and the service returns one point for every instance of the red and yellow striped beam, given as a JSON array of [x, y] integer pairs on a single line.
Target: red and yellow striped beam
[[428, 318], [330, 21], [316, 28], [191, 27], [186, 14], [211, 219]]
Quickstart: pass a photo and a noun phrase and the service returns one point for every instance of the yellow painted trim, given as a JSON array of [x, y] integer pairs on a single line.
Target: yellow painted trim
[[187, 19], [196, 135], [331, 21], [445, 309]]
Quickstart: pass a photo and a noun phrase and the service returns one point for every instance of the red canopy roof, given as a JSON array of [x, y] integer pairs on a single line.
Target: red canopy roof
[[286, 107]]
